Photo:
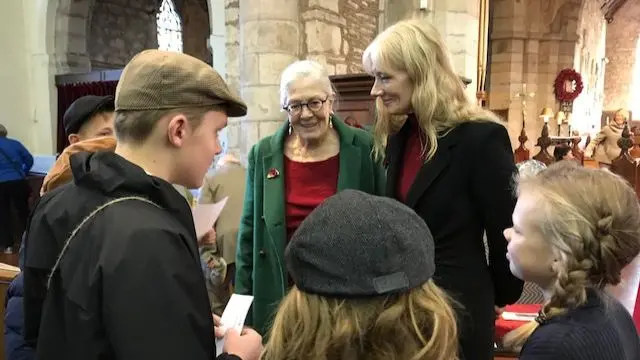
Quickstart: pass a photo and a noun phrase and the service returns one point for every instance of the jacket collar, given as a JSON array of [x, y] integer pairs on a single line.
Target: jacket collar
[[113, 176], [429, 171]]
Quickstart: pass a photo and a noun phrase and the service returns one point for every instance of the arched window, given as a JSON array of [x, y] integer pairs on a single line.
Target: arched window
[[169, 27]]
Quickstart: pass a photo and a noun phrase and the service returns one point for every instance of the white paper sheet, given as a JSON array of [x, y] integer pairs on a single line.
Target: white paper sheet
[[206, 215], [8, 267], [519, 316], [233, 316]]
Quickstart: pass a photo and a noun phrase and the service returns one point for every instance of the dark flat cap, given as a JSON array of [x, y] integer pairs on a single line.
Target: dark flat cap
[[156, 80], [83, 109], [358, 245]]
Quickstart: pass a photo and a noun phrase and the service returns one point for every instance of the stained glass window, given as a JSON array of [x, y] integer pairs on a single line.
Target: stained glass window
[[169, 27]]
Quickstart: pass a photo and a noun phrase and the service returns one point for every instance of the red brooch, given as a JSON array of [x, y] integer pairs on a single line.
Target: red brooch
[[273, 173]]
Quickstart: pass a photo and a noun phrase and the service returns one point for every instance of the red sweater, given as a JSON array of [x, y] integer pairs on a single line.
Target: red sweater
[[307, 184], [412, 161]]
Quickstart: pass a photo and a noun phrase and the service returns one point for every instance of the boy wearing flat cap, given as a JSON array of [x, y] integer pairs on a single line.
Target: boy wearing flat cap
[[89, 117], [122, 280]]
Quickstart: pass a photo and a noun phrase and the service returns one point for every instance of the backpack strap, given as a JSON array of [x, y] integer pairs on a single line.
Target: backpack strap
[[83, 222]]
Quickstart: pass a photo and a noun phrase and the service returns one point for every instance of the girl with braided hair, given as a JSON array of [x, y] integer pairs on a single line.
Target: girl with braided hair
[[574, 230]]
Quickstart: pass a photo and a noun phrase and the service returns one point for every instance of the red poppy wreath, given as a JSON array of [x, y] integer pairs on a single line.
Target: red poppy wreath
[[568, 85]]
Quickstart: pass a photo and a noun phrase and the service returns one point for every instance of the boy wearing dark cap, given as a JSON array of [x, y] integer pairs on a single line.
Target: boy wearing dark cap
[[122, 278], [89, 117]]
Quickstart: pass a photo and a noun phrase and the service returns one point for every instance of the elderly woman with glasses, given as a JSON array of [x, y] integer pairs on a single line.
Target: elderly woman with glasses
[[313, 156]]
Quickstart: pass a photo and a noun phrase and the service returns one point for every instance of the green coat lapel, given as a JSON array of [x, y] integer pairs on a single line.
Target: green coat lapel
[[274, 192]]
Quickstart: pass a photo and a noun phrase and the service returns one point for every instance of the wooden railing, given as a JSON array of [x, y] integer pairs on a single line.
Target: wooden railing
[[545, 141]]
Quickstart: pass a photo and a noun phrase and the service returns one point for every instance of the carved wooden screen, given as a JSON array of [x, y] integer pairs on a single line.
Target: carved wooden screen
[[354, 99]]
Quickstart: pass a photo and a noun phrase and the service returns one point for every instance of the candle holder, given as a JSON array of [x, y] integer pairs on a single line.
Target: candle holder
[[560, 117]]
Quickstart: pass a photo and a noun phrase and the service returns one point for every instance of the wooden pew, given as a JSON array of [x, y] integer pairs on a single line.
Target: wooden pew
[[625, 165], [545, 141]]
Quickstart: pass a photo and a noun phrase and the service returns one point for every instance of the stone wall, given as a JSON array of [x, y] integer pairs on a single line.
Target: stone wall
[[337, 32], [622, 41], [119, 29], [332, 32], [589, 62]]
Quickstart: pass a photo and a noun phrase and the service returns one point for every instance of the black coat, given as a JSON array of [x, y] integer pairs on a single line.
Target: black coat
[[129, 285], [463, 191]]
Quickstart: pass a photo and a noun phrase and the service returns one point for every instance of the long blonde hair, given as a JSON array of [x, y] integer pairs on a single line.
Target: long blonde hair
[[439, 100], [417, 325], [591, 219]]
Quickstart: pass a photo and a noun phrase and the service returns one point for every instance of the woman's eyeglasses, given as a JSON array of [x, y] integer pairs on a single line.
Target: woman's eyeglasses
[[312, 105]]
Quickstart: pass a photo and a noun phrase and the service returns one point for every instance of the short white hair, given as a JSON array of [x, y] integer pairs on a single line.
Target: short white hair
[[303, 69]]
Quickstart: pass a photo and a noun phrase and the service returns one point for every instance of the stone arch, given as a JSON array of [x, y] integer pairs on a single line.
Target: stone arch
[[218, 35], [70, 27], [52, 53]]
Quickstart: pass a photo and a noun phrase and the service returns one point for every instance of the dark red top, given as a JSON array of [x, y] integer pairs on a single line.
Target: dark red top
[[307, 184], [411, 161]]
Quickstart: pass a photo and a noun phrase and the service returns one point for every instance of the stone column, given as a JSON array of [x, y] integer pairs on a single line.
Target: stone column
[[323, 34], [71, 29], [527, 48], [458, 22], [217, 37], [269, 41], [29, 94]]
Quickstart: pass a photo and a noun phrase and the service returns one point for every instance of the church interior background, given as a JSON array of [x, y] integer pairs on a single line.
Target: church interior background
[[530, 61], [511, 51]]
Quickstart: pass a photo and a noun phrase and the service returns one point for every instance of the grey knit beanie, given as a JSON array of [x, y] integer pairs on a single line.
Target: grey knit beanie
[[358, 245]]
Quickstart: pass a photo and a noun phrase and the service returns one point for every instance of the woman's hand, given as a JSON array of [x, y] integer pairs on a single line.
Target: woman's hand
[[209, 238]]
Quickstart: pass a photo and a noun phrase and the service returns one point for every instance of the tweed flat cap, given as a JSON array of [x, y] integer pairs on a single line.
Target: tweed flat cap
[[357, 245], [156, 79], [81, 110]]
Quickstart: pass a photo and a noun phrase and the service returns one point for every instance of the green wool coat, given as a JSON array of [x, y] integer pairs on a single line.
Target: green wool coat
[[260, 267]]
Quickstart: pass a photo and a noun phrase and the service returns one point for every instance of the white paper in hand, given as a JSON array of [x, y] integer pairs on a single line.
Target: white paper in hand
[[233, 316], [206, 215]]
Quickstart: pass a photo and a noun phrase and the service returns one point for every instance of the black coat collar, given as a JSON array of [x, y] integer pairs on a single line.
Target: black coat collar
[[429, 171]]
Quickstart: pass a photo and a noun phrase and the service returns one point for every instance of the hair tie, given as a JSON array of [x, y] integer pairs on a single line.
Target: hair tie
[[541, 318], [604, 225]]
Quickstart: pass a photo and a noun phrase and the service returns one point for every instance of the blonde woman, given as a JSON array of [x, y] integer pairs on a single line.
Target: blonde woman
[[604, 148], [451, 162], [362, 268], [572, 246]]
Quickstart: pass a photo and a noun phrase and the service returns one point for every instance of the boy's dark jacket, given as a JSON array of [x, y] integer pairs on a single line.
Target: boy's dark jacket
[[130, 284]]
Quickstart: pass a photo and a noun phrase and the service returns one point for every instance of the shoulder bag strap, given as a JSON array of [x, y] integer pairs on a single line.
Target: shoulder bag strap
[[83, 222]]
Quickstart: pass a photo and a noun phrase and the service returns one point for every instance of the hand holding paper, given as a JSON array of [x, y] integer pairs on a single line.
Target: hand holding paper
[[233, 316], [206, 215]]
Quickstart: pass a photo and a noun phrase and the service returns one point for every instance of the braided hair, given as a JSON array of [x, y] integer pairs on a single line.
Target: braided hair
[[591, 220]]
